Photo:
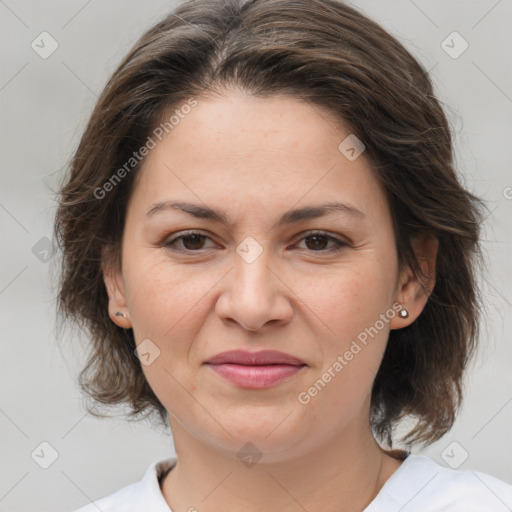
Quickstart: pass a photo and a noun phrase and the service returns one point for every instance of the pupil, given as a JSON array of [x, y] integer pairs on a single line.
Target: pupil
[[322, 239], [196, 241]]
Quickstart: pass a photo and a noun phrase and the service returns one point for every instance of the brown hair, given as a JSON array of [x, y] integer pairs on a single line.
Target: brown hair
[[330, 55]]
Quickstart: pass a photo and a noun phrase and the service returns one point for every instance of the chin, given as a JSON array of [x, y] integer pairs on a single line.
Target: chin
[[271, 440]]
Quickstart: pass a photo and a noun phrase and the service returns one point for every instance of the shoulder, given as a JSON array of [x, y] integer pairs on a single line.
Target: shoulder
[[137, 497], [421, 484]]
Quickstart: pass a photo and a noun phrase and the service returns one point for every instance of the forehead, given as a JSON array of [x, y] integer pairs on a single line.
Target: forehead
[[270, 152]]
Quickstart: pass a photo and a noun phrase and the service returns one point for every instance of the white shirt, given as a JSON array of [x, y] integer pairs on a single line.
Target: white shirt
[[418, 485]]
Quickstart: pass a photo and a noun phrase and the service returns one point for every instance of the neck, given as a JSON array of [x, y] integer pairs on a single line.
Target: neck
[[344, 474]]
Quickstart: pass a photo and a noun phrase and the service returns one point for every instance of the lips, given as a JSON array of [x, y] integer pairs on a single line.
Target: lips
[[255, 370], [263, 357]]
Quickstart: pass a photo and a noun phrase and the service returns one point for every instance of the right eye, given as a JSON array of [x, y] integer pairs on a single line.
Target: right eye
[[192, 241]]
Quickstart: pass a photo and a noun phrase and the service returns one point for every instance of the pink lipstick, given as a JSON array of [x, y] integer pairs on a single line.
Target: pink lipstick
[[256, 370]]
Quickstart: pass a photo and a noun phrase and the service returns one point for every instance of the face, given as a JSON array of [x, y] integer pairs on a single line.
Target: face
[[319, 285]]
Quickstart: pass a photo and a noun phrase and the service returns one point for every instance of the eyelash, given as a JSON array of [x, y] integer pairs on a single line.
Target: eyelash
[[309, 234]]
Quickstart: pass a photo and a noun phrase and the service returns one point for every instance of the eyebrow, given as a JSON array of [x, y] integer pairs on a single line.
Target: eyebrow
[[289, 217]]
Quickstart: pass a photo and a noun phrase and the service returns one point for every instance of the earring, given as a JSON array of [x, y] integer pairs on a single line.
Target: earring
[[404, 313], [118, 313]]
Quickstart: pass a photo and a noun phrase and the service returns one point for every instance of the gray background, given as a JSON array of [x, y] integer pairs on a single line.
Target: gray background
[[44, 106]]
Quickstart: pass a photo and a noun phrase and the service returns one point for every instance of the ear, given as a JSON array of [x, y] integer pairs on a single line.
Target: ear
[[113, 279], [413, 291]]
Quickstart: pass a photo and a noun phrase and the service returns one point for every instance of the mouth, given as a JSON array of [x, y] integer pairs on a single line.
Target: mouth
[[255, 370]]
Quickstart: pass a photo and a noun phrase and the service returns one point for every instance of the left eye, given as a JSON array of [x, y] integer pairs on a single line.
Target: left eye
[[315, 242], [318, 242]]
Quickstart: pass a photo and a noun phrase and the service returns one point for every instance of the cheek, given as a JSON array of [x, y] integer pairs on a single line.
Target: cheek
[[350, 299], [166, 308], [353, 306], [350, 307], [168, 303]]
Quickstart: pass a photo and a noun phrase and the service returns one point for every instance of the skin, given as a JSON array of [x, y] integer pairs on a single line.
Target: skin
[[254, 159]]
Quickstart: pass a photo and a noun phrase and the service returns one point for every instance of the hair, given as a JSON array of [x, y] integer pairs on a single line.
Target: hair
[[328, 54]]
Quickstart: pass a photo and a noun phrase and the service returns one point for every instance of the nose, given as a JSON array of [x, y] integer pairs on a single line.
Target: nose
[[254, 296]]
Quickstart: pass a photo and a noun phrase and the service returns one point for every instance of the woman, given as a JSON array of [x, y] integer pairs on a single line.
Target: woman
[[265, 236]]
